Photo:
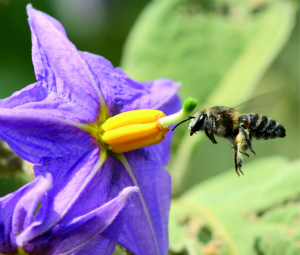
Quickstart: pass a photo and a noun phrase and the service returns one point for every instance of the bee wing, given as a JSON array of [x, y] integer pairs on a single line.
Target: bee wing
[[261, 103]]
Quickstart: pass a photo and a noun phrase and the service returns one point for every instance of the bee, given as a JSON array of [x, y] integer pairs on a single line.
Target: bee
[[237, 128]]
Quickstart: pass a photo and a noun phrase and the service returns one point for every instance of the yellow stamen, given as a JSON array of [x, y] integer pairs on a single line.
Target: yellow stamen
[[133, 130], [132, 117], [129, 133], [137, 144]]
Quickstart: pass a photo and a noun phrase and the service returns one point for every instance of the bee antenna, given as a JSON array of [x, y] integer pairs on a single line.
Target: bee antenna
[[190, 117]]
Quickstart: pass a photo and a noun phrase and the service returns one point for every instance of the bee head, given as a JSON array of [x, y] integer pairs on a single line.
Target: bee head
[[197, 123]]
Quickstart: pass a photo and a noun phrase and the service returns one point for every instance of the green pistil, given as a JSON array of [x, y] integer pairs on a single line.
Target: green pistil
[[188, 106]]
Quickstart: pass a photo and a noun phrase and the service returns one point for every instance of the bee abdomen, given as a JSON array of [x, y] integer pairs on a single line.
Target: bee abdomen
[[262, 126]]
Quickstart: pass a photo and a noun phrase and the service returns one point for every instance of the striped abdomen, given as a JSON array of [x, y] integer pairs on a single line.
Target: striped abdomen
[[262, 126]]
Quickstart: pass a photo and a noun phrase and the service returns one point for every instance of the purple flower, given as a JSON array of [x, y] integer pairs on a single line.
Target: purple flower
[[85, 192]]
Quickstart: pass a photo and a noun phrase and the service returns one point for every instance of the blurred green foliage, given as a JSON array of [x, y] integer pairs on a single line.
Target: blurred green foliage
[[219, 50], [257, 214], [223, 52], [13, 170], [198, 42]]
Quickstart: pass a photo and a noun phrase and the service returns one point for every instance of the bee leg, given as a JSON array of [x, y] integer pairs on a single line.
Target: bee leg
[[247, 138], [241, 171], [211, 137], [246, 154], [238, 160], [209, 130], [248, 141]]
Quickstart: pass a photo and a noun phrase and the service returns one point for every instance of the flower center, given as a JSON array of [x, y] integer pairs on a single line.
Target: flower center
[[133, 130], [136, 129], [21, 251]]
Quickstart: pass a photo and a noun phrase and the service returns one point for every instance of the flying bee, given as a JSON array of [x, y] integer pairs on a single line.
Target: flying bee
[[237, 128]]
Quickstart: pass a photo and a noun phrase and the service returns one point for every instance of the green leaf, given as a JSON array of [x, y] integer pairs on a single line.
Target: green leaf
[[192, 228], [254, 214]]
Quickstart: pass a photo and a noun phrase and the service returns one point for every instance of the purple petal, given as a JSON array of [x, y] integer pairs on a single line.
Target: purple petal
[[103, 187], [58, 63], [100, 245], [28, 203], [17, 209], [145, 230], [124, 94], [138, 235], [34, 135], [141, 235], [27, 97], [97, 246], [71, 238], [71, 178], [46, 103]]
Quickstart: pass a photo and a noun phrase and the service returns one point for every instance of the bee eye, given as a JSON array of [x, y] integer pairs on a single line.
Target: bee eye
[[199, 123]]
